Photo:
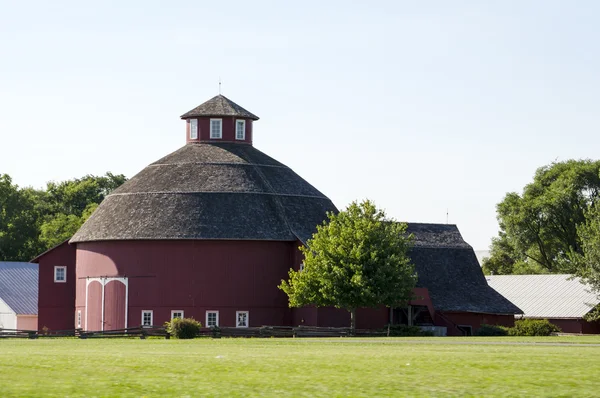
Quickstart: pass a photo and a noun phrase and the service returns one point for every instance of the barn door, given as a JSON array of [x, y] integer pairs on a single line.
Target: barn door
[[106, 304]]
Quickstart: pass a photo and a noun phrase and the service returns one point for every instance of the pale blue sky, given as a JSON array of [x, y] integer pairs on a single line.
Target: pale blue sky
[[420, 106]]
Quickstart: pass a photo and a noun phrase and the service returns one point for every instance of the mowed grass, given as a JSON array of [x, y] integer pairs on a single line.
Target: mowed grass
[[301, 367]]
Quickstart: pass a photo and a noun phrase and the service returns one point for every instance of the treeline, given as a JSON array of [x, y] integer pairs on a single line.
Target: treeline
[[33, 221], [553, 226]]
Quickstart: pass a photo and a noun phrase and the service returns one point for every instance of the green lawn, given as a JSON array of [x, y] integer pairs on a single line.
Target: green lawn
[[301, 367]]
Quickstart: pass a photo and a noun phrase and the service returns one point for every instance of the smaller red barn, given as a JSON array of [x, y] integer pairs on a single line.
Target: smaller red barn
[[562, 299]]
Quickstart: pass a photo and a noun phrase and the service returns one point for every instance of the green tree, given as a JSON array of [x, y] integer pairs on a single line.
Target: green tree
[[357, 258], [588, 264], [538, 229], [18, 222]]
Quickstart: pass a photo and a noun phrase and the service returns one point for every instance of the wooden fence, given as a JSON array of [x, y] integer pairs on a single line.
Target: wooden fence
[[160, 331]]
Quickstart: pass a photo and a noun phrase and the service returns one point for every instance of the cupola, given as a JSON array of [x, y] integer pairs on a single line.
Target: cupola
[[219, 120]]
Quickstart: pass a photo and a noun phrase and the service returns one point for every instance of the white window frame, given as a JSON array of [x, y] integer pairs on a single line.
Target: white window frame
[[217, 318], [151, 312], [173, 312], [78, 319], [56, 268], [193, 129], [214, 136], [237, 314], [241, 122]]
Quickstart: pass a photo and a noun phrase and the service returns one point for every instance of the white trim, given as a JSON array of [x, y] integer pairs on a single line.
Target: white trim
[[237, 314], [214, 136], [193, 129], [243, 123], [206, 318], [103, 281], [151, 312], [175, 312], [56, 268], [78, 319]]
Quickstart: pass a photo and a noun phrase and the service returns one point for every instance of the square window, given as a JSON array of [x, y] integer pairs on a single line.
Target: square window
[[177, 314], [240, 130], [242, 319], [193, 129], [212, 319], [216, 131], [60, 274], [147, 318]]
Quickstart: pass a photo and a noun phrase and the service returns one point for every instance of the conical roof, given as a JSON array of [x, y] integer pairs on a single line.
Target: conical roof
[[219, 106], [210, 191]]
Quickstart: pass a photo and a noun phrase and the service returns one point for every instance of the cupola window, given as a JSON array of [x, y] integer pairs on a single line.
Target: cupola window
[[193, 129], [240, 130], [216, 129]]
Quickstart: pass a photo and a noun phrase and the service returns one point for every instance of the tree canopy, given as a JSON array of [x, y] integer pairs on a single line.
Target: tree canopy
[[32, 221], [589, 262], [357, 258], [539, 228]]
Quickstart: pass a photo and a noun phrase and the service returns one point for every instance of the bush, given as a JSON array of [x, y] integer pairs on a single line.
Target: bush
[[183, 328], [533, 327], [407, 331], [492, 330]]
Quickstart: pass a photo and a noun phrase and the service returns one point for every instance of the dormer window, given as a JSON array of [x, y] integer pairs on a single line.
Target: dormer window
[[216, 129], [240, 129], [193, 129]]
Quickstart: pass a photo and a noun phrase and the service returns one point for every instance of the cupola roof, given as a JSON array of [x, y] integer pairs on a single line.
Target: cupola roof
[[219, 106]]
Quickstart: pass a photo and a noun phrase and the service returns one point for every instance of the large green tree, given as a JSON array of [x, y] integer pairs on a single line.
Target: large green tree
[[538, 229], [589, 261], [32, 221], [357, 258], [18, 221]]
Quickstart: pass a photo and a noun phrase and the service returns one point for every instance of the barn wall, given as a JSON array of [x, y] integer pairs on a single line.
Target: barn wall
[[475, 320], [27, 322], [228, 129], [194, 276], [578, 325], [56, 301], [8, 318]]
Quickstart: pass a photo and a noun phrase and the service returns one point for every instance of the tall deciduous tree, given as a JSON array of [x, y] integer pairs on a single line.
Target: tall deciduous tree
[[589, 262], [32, 221], [18, 221], [538, 229], [358, 258]]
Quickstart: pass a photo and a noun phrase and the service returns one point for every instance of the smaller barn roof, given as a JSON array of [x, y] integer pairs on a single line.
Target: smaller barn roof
[[546, 296], [19, 287], [219, 106]]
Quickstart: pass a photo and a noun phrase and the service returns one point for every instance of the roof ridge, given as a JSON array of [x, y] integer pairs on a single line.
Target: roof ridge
[[219, 192]]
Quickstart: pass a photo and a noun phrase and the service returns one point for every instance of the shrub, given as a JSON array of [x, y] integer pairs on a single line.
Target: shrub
[[407, 331], [183, 328], [533, 327], [492, 330]]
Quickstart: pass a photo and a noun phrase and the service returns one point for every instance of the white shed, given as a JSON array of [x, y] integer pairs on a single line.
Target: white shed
[[18, 295]]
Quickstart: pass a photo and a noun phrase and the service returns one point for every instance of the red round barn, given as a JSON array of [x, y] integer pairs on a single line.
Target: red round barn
[[207, 232]]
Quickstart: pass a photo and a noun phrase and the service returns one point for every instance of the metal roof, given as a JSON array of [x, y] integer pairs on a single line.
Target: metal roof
[[19, 287], [546, 296]]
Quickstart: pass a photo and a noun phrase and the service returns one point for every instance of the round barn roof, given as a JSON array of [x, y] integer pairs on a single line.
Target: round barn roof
[[210, 191]]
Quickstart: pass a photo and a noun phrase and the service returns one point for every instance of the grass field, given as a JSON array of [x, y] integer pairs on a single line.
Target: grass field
[[301, 367]]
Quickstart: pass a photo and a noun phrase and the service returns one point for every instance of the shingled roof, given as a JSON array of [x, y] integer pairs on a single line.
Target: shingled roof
[[19, 287], [210, 191], [219, 106], [447, 266]]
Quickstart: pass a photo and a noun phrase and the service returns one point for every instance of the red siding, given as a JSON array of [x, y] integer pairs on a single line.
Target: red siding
[[452, 319], [577, 326], [56, 302], [195, 276], [94, 306], [114, 305], [228, 129]]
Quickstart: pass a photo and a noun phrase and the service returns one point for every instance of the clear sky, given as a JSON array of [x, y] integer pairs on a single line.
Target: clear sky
[[420, 106]]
